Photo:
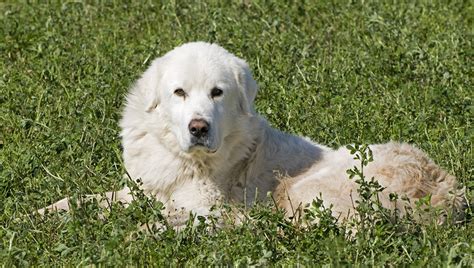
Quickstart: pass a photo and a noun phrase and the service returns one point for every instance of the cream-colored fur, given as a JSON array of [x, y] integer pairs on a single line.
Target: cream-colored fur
[[241, 158], [398, 167]]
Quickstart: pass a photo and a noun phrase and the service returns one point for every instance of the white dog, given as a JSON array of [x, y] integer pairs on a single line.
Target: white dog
[[191, 135]]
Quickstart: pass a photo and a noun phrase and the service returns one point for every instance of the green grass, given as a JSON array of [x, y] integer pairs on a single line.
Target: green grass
[[336, 72]]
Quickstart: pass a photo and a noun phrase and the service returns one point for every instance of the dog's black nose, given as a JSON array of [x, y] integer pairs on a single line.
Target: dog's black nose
[[198, 127]]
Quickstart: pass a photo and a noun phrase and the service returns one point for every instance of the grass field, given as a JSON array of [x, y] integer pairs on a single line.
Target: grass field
[[335, 71]]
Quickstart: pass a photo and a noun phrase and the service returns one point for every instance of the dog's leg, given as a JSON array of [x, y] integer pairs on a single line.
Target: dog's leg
[[123, 196]]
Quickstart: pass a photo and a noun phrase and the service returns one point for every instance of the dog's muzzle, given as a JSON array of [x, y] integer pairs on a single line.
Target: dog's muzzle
[[199, 130]]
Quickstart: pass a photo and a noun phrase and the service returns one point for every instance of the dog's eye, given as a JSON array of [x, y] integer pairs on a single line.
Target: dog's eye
[[180, 92], [216, 92]]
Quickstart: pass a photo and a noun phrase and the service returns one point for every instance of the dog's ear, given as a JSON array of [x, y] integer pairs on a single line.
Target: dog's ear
[[147, 86], [248, 86]]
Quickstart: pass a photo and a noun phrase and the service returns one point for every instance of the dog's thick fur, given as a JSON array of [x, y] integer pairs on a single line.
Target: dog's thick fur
[[240, 157], [398, 167]]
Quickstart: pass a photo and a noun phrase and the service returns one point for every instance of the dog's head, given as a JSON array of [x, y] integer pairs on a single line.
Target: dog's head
[[200, 92]]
